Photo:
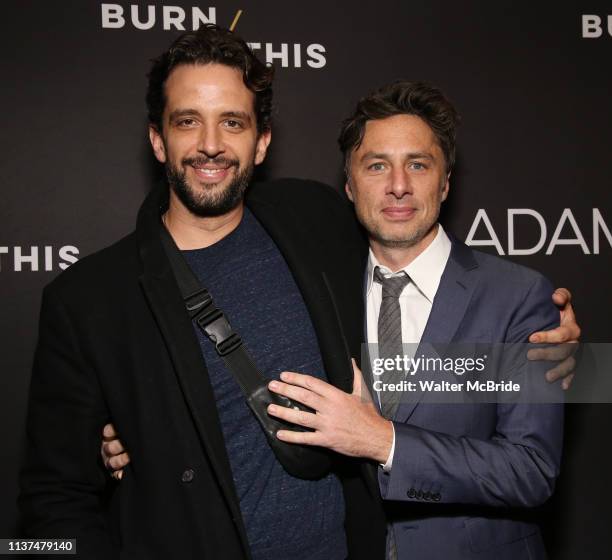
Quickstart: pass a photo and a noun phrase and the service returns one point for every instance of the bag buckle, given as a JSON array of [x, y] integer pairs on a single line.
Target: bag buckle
[[197, 301], [217, 328]]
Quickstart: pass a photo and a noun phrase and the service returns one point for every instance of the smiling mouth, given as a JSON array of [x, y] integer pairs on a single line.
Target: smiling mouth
[[211, 170]]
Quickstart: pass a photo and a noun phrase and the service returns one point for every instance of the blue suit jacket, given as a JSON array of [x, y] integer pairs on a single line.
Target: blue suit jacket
[[465, 476]]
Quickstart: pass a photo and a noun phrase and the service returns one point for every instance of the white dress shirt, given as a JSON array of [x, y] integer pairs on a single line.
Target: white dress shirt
[[415, 300]]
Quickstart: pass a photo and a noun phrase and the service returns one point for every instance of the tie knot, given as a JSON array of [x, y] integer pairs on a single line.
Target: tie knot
[[393, 285]]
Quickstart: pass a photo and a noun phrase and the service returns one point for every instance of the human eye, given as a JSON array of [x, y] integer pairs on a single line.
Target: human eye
[[233, 124], [417, 166], [376, 166], [186, 122]]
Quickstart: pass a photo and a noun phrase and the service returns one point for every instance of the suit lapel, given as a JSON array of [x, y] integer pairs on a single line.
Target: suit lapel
[[162, 293], [453, 297]]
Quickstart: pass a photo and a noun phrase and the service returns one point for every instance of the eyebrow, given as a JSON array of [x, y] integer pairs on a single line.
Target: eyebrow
[[410, 155], [178, 113], [237, 114], [182, 113]]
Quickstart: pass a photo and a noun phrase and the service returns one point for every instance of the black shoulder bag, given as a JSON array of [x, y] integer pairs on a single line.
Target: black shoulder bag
[[298, 460]]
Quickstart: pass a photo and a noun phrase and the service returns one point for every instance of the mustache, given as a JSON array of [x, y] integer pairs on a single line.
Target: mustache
[[203, 160]]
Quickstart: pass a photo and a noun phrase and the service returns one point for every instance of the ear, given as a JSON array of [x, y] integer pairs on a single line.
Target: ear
[[261, 148], [348, 190], [446, 187], [157, 143]]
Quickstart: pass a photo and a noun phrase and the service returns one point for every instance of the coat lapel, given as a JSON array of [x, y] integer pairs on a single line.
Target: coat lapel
[[453, 297], [295, 243], [162, 293]]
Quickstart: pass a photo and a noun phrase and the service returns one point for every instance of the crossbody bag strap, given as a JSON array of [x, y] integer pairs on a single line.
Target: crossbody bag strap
[[211, 320], [298, 460]]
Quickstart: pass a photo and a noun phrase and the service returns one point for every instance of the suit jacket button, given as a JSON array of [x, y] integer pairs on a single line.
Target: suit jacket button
[[411, 493], [419, 495], [188, 475], [426, 496], [436, 497]]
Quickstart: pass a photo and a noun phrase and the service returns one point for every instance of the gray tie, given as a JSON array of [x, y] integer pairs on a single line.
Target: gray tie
[[390, 346], [390, 336]]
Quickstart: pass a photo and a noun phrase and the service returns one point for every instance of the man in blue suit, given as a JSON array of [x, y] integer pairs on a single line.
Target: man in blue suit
[[459, 481]]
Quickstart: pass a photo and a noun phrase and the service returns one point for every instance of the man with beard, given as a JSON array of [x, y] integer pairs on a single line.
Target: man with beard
[[116, 344]]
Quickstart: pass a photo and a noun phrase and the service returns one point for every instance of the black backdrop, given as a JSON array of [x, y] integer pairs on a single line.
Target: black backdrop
[[532, 82]]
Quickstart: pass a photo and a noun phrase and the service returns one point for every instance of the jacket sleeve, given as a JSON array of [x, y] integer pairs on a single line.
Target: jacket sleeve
[[63, 479], [517, 467]]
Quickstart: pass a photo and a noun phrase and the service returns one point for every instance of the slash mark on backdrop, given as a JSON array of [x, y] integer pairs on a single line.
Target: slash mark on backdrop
[[236, 18]]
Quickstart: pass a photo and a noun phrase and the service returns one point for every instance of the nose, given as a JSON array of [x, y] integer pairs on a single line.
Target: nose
[[210, 141], [400, 183]]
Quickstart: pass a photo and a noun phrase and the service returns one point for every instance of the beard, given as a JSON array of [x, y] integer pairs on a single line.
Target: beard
[[205, 202]]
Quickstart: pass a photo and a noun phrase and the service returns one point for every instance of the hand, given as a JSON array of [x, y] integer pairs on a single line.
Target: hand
[[114, 455], [567, 332], [346, 423]]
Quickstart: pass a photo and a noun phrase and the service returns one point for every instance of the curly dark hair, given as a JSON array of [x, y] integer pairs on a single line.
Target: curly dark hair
[[211, 44], [403, 98]]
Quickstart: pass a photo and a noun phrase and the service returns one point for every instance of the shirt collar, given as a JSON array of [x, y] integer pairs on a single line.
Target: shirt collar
[[425, 271]]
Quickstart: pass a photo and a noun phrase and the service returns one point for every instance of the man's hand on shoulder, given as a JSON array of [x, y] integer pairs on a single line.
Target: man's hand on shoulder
[[114, 455], [564, 337]]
